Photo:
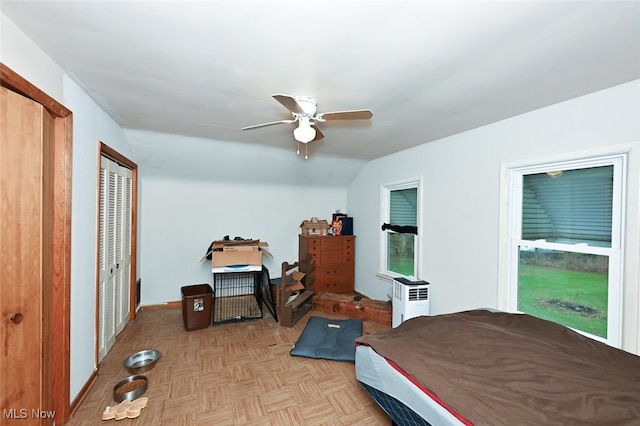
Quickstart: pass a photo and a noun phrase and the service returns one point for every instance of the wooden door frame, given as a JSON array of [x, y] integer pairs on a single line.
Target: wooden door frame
[[107, 151], [59, 323]]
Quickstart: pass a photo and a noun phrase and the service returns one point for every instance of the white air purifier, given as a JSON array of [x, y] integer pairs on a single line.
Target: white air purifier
[[410, 299]]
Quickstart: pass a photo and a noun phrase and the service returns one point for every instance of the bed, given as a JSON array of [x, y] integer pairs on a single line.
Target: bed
[[493, 368]]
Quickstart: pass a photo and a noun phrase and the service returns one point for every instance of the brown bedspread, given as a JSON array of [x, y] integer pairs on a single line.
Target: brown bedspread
[[515, 369]]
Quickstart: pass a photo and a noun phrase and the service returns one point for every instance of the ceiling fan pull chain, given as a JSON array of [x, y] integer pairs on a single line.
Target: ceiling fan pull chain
[[298, 149], [305, 151]]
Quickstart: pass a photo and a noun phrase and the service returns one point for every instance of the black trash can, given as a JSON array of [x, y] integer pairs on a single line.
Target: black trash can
[[197, 306]]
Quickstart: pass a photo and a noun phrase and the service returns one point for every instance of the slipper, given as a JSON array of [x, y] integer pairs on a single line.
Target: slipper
[[293, 297], [133, 412], [140, 402], [126, 409], [121, 409], [109, 413]]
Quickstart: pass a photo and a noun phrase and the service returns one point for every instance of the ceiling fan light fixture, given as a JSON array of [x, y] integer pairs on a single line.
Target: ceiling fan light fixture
[[307, 104], [304, 132]]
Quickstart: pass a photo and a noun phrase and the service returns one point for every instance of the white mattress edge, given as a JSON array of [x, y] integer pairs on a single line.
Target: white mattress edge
[[374, 370]]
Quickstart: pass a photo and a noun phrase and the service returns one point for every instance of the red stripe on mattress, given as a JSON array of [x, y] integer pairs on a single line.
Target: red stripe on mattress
[[429, 393]]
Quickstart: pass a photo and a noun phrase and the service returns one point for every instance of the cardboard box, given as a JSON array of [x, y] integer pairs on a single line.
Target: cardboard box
[[230, 245], [243, 252], [240, 248], [229, 258]]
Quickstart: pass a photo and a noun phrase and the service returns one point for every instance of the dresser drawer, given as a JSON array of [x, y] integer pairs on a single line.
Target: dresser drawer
[[348, 249], [334, 278], [330, 257], [331, 244], [334, 257]]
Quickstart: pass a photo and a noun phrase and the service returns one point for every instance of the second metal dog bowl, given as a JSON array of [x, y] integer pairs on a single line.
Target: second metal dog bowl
[[142, 361], [130, 388]]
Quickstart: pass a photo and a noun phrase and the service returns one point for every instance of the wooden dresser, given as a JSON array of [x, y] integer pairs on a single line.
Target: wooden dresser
[[334, 257]]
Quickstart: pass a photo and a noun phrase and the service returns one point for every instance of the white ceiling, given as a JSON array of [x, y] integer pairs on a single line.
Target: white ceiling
[[426, 69]]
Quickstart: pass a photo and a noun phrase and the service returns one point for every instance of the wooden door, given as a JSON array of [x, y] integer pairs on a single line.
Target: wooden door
[[26, 238]]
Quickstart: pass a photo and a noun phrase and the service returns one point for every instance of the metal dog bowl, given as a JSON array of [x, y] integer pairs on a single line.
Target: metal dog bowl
[[130, 388], [142, 361]]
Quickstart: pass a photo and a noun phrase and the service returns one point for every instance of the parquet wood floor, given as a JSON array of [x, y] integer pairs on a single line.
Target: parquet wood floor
[[231, 374]]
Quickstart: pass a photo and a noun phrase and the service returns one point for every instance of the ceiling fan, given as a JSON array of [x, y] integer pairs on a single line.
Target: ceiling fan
[[304, 110]]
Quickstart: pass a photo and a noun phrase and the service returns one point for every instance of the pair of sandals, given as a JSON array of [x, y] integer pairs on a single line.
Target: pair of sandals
[[126, 409]]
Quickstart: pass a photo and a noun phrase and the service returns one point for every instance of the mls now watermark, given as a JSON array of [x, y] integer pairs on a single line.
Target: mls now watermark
[[23, 413]]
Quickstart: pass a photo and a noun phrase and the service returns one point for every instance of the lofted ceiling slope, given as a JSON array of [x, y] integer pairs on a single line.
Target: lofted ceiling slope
[[427, 69]]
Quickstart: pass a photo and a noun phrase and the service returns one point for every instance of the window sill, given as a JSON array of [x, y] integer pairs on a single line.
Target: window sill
[[384, 277]]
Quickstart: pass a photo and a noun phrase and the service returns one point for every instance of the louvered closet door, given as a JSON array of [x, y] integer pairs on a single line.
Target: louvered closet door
[[114, 253], [123, 247]]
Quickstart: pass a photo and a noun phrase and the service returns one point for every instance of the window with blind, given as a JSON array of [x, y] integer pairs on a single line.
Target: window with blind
[[572, 206], [566, 231], [399, 236]]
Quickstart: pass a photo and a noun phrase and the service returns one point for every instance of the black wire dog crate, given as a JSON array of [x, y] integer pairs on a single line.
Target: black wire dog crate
[[237, 296]]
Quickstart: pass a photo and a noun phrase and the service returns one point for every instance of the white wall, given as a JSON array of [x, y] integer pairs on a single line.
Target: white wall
[[195, 190], [460, 224], [20, 54], [180, 218], [90, 125], [192, 158]]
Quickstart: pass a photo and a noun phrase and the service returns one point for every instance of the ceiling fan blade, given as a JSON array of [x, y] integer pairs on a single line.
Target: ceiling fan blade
[[360, 114], [255, 126], [289, 102], [319, 134]]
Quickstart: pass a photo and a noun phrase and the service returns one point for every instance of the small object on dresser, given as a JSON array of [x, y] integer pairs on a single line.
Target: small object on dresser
[[314, 226], [336, 223], [346, 225], [336, 227]]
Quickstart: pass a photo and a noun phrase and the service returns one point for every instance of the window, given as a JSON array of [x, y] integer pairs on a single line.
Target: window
[[399, 238], [565, 242]]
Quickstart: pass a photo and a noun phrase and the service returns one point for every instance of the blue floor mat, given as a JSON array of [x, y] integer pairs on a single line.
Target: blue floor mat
[[329, 339]]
